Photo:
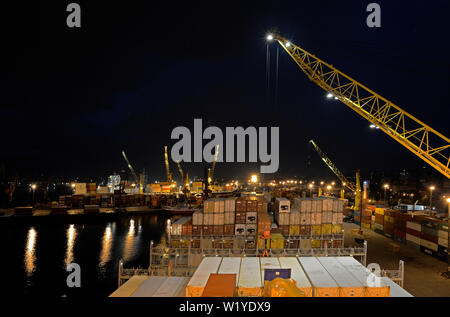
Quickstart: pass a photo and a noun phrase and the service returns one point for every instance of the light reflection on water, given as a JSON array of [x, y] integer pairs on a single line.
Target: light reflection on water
[[30, 252], [107, 241], [131, 242], [71, 234], [49, 245]]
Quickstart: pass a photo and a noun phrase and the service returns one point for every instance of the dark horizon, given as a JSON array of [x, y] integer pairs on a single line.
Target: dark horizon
[[133, 72]]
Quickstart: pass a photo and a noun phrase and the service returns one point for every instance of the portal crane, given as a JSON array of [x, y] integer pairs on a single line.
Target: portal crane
[[166, 160], [425, 142], [184, 179], [211, 170], [138, 180], [356, 189]]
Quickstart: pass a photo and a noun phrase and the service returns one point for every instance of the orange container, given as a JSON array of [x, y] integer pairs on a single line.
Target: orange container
[[220, 285]]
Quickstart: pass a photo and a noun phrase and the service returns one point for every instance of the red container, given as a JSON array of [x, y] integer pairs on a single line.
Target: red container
[[305, 230], [379, 219], [208, 230], [284, 230], [218, 230], [400, 234], [240, 217], [228, 230], [413, 232], [428, 237], [196, 230]]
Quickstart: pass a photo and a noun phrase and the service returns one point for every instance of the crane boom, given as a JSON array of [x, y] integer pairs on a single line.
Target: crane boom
[[333, 168], [425, 142], [356, 189], [131, 168], [211, 171], [166, 160]]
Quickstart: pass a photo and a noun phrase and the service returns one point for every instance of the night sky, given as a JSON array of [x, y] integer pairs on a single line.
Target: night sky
[[133, 71]]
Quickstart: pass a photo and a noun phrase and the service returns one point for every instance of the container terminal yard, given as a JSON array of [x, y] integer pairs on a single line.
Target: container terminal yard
[[137, 211]]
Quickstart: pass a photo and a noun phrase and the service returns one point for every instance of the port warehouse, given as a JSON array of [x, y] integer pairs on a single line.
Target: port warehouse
[[341, 276], [428, 233], [309, 223]]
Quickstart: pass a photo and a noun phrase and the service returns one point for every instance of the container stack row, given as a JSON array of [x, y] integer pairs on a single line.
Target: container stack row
[[243, 216], [427, 233]]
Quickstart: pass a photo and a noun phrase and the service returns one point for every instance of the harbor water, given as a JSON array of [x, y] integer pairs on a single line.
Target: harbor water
[[35, 251]]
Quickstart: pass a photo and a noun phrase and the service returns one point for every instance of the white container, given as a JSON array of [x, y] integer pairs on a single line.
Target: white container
[[315, 205], [208, 219], [171, 287], [411, 238], [309, 205], [316, 218], [197, 218], [198, 281], [443, 242], [428, 244], [395, 289], [347, 282], [297, 274], [231, 265], [324, 285], [319, 205], [340, 205], [129, 287], [361, 273], [294, 217], [229, 218], [219, 205], [250, 277], [230, 204], [268, 263], [414, 226], [282, 205], [149, 287], [251, 229], [240, 229], [283, 219], [443, 234], [251, 217]]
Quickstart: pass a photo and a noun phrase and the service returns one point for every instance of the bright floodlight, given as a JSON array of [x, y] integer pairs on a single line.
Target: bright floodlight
[[373, 126], [335, 98], [287, 44], [448, 200], [329, 95], [269, 37]]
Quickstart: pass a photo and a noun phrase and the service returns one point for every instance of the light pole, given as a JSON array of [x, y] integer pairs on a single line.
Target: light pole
[[447, 273], [431, 194], [386, 186], [310, 189], [33, 187]]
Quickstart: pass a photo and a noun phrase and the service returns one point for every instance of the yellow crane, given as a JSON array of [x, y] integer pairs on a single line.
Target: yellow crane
[[139, 180], [184, 179], [211, 170], [356, 189], [166, 160], [425, 142]]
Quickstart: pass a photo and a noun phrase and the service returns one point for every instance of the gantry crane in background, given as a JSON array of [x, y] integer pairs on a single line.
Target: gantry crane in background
[[138, 180], [356, 189], [425, 142], [211, 170], [166, 160], [184, 179]]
